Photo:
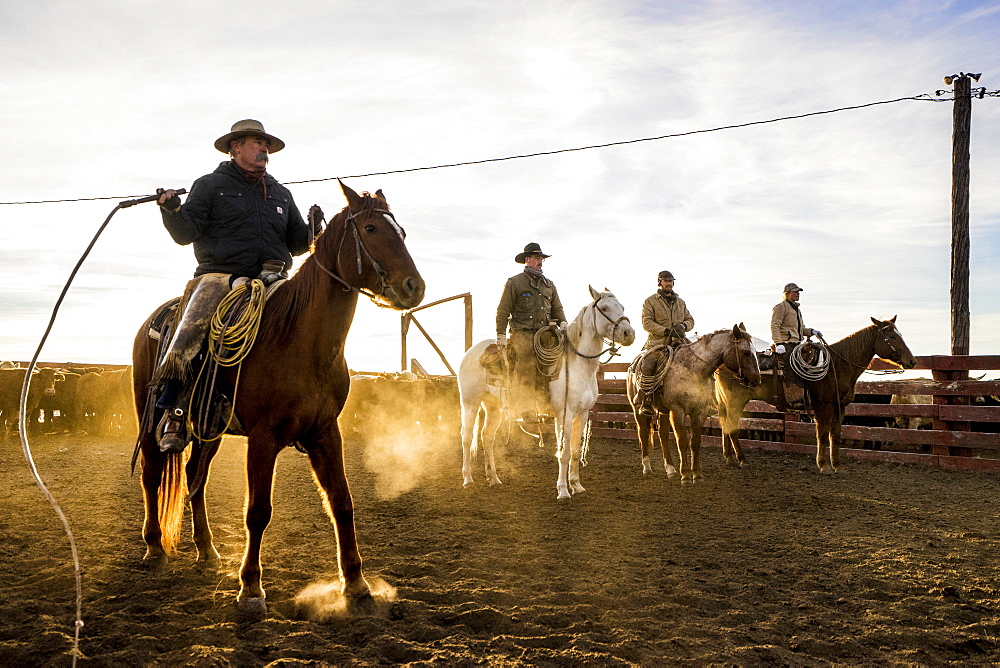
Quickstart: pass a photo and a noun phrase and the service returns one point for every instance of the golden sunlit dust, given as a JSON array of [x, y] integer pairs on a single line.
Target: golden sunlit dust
[[325, 601]]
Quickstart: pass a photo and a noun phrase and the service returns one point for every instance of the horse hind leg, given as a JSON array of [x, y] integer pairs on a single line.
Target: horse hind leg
[[663, 432], [471, 429], [202, 454], [643, 425], [490, 431]]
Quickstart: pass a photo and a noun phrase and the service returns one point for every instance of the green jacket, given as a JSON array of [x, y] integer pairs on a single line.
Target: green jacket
[[528, 303], [659, 317]]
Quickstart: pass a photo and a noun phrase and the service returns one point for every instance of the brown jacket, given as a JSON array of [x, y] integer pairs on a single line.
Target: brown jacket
[[528, 303], [786, 323], [660, 315]]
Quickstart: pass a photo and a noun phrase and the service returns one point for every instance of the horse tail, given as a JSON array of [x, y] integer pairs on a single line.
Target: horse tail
[[172, 494]]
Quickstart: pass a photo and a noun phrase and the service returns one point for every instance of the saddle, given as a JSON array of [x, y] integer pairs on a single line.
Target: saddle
[[494, 360]]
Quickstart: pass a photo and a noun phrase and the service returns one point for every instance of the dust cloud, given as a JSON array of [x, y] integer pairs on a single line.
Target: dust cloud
[[402, 422]]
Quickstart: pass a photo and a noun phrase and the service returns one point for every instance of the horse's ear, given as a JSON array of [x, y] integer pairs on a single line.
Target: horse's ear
[[876, 322], [594, 293], [893, 320], [743, 327], [737, 334], [379, 195], [353, 199]]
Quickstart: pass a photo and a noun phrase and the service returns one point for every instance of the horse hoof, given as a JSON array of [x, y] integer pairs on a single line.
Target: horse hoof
[[362, 604], [563, 494], [744, 465], [253, 607], [495, 482], [467, 484], [671, 472], [154, 562], [578, 488], [687, 481]]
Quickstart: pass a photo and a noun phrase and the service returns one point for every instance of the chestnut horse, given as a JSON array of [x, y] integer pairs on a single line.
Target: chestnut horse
[[687, 394], [829, 397], [291, 389]]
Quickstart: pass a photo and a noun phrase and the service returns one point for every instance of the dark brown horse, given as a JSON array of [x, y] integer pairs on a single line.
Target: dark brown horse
[[685, 396], [291, 389], [829, 397]]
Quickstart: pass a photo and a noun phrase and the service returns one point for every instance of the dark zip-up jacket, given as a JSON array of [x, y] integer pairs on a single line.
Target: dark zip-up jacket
[[233, 228]]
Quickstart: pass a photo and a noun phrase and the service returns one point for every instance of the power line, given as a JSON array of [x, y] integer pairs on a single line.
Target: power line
[[924, 97]]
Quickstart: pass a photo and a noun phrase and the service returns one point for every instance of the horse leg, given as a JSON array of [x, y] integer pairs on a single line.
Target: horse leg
[[682, 436], [207, 554], [834, 428], [663, 434], [470, 418], [563, 455], [261, 454], [152, 470], [824, 417], [576, 452], [644, 428], [489, 430], [327, 457], [697, 426]]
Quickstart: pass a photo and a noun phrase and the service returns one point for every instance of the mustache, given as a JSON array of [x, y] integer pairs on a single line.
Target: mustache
[[262, 155]]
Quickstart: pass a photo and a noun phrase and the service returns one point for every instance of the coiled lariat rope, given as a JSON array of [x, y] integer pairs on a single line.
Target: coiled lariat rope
[[650, 383], [232, 333], [810, 370]]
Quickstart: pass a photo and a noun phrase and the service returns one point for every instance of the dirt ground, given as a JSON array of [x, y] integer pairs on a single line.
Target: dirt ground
[[775, 564]]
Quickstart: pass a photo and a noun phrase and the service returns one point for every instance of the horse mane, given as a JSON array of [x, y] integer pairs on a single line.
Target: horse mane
[[856, 345], [288, 303]]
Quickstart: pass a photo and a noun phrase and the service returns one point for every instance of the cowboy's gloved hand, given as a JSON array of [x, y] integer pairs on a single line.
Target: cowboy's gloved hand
[[168, 200], [501, 341], [315, 218], [818, 334], [679, 330], [780, 349], [563, 325]]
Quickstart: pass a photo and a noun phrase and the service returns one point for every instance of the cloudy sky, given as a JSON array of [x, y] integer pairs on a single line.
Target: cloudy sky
[[112, 98]]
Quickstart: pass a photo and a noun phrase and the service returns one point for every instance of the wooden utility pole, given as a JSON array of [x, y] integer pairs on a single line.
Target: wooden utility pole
[[960, 212]]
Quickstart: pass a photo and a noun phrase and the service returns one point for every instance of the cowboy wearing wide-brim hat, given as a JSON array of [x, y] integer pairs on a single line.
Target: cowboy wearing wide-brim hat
[[246, 128], [243, 225], [528, 303]]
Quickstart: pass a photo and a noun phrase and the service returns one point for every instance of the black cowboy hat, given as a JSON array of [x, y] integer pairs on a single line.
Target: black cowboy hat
[[664, 276], [248, 127], [530, 249]]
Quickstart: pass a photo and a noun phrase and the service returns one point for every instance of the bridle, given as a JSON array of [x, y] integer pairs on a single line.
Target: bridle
[[885, 339], [735, 349], [361, 250], [613, 346]]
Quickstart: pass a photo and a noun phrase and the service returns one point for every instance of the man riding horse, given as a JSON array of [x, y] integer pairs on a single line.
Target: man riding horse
[[529, 302], [244, 225], [667, 319], [787, 331]]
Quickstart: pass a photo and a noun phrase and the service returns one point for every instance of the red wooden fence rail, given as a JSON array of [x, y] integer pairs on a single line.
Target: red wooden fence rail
[[965, 417]]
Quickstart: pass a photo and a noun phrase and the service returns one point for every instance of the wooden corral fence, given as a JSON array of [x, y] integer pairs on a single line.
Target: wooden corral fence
[[407, 317], [964, 415]]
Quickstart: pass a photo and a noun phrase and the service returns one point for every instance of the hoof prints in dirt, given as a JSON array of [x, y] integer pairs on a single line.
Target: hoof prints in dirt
[[775, 565]]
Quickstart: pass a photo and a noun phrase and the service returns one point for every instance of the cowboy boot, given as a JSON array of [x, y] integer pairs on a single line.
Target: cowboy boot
[[172, 432], [644, 403]]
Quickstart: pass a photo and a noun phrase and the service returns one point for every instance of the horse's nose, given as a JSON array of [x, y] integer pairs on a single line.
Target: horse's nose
[[410, 286]]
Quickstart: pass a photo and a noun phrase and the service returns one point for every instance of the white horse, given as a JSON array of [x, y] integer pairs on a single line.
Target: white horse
[[572, 393]]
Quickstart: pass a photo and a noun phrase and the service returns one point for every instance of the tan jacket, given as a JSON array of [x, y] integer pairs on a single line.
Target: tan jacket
[[786, 323], [660, 315], [528, 304]]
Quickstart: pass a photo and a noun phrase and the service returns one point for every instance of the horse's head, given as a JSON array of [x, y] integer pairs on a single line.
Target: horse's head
[[611, 322], [890, 345], [364, 249], [740, 357]]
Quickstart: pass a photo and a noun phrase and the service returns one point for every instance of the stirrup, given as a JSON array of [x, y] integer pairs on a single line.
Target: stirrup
[[171, 435]]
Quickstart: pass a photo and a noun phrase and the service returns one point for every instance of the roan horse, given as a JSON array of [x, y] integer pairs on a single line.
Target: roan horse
[[572, 393], [291, 389], [829, 396], [686, 394]]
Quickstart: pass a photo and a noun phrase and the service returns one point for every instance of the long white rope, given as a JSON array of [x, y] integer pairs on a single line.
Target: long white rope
[[810, 370]]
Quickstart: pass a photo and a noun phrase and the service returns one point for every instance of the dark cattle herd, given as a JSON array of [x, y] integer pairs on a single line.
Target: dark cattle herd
[[66, 400]]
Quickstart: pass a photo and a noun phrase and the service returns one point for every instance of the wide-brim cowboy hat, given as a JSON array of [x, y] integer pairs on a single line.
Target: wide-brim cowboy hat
[[530, 249], [248, 127]]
